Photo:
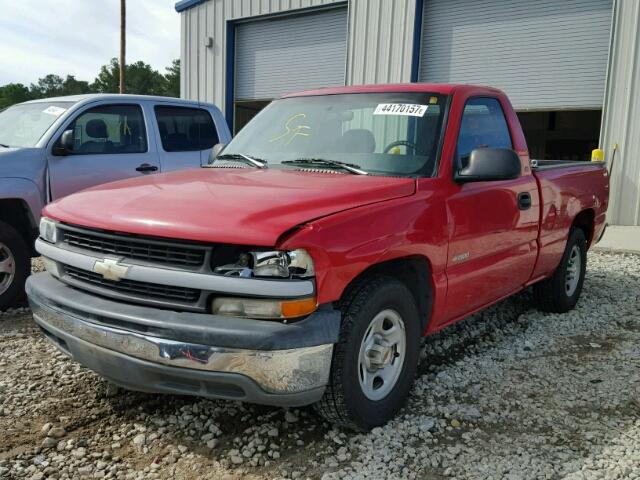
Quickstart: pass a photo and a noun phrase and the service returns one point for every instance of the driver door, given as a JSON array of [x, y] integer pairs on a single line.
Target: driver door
[[110, 143], [492, 235]]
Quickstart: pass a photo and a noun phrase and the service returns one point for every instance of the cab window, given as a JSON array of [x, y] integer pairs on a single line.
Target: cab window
[[483, 125], [110, 129], [185, 129]]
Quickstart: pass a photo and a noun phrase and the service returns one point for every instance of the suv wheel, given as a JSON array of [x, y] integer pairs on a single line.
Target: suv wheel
[[15, 265], [560, 292], [375, 359]]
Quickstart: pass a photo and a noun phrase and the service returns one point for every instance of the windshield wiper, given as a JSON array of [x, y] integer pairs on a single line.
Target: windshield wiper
[[349, 167], [256, 162], [5, 146]]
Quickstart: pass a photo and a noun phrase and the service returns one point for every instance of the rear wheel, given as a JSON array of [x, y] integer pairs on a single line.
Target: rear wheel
[[560, 292], [15, 265], [375, 359]]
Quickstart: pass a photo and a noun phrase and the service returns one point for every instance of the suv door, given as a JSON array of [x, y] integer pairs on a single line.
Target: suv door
[[110, 142], [492, 239], [186, 135]]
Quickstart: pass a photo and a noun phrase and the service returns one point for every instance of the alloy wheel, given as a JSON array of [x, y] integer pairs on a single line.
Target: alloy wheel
[[7, 268]]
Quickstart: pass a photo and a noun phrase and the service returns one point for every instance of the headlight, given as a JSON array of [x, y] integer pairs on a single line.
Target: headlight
[[263, 308], [276, 263], [48, 230]]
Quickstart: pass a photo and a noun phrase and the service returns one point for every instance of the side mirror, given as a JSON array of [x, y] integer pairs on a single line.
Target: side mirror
[[215, 151], [490, 164], [64, 146]]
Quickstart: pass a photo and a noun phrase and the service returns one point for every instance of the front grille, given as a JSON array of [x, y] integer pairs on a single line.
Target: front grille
[[135, 288], [144, 249]]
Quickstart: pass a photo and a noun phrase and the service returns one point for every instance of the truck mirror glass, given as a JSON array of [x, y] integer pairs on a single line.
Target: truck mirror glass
[[486, 164]]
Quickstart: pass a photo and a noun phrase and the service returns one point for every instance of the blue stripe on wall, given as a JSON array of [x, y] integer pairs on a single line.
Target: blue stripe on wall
[[229, 98], [186, 4], [417, 40]]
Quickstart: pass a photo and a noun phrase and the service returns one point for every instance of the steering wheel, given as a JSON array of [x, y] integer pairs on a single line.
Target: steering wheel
[[404, 143]]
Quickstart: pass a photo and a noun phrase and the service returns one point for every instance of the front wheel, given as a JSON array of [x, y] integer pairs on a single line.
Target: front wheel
[[560, 292], [15, 265], [375, 359]]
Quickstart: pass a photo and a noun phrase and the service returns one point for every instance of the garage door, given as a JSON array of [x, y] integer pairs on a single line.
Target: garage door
[[286, 54], [546, 54]]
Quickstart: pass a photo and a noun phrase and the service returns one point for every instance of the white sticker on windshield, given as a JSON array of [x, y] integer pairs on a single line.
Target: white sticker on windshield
[[408, 109], [53, 110]]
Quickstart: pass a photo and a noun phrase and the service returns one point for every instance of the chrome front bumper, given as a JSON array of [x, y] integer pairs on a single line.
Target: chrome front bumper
[[142, 361]]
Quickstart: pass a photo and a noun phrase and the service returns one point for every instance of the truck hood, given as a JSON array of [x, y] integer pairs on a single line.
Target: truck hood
[[238, 206]]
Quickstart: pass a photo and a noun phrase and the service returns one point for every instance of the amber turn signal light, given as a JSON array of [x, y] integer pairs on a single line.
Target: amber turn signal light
[[298, 308]]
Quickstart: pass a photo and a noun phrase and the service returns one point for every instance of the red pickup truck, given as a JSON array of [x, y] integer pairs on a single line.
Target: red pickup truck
[[306, 261]]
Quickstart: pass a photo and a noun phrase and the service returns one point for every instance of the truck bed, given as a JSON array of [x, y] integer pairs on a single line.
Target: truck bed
[[566, 189], [548, 164]]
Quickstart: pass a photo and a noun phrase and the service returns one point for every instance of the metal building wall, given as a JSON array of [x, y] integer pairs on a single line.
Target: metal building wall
[[203, 70], [621, 115], [379, 47], [381, 34]]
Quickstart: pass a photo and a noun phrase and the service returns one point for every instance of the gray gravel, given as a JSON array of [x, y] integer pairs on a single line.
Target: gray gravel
[[510, 393]]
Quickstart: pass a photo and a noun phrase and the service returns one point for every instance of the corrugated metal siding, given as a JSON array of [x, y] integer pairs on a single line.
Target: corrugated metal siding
[[381, 41], [544, 54], [290, 53], [621, 115], [204, 67], [379, 47]]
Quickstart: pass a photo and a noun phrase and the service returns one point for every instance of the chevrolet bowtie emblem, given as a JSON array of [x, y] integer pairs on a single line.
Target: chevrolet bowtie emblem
[[110, 269]]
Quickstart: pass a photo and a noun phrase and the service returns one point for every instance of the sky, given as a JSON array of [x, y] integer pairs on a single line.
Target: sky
[[77, 37]]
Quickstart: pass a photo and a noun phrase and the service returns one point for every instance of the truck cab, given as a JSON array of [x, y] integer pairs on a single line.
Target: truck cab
[[50, 148]]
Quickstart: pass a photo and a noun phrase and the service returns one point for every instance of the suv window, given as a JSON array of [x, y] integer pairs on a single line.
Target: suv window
[[110, 129], [184, 129], [483, 125]]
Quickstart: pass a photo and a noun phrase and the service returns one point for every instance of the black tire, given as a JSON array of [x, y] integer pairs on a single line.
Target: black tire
[[551, 295], [12, 242], [344, 403]]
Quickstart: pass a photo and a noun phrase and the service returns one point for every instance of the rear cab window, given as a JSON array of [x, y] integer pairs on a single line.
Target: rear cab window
[[483, 125], [185, 129]]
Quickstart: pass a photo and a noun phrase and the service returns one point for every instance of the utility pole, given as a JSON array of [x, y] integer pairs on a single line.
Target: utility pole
[[123, 42]]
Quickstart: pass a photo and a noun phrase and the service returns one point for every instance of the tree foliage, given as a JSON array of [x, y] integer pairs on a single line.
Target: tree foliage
[[13, 93], [172, 78], [140, 79], [55, 86]]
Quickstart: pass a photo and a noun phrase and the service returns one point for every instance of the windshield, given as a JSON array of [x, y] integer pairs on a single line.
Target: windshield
[[381, 133], [23, 125]]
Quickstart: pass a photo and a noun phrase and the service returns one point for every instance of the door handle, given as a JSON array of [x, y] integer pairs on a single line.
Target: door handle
[[146, 167], [524, 200]]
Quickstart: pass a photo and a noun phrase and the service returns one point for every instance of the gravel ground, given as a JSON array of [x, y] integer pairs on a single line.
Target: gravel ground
[[507, 394]]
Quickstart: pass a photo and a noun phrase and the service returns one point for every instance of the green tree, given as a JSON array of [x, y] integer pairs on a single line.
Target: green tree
[[172, 79], [71, 86], [47, 86], [13, 93], [55, 86], [140, 78]]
